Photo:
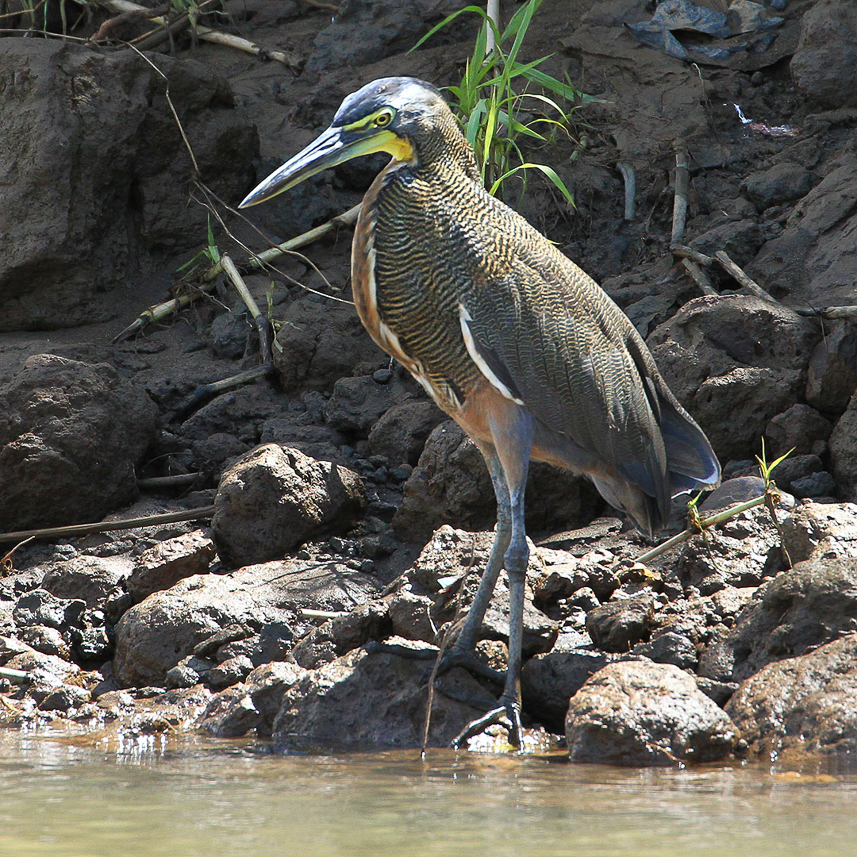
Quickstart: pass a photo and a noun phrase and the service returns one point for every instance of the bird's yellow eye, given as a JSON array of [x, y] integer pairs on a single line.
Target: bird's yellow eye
[[385, 117]]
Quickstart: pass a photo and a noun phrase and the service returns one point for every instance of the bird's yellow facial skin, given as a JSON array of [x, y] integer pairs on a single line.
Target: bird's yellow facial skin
[[335, 146]]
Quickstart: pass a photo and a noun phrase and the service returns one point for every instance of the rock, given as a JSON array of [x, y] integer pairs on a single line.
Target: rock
[[451, 485], [39, 607], [188, 672], [273, 498], [338, 636], [811, 261], [825, 530], [169, 561], [619, 625], [843, 443], [357, 403], [410, 615], [801, 705], [785, 181], [48, 641], [400, 434], [815, 485], [230, 672], [640, 713], [669, 648], [90, 578], [734, 362], [318, 343], [824, 65], [47, 672], [798, 610], [66, 698], [371, 700], [105, 182], [230, 714], [70, 436], [549, 680], [153, 636], [832, 376], [799, 428], [267, 685]]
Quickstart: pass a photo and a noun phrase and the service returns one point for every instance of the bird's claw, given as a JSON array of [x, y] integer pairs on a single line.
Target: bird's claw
[[455, 657], [507, 715]]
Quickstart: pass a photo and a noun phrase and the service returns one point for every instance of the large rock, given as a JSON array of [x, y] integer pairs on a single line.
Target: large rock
[[811, 262], [832, 377], [824, 66], [101, 174], [735, 362], [70, 436], [826, 530], [798, 610], [372, 700], [273, 498], [451, 485], [641, 713], [155, 635], [843, 451], [802, 705]]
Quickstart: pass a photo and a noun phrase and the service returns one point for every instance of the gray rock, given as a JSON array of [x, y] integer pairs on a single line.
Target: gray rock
[[320, 342], [273, 498], [802, 705], [832, 376], [410, 615], [798, 610], [230, 714], [47, 672], [90, 578], [39, 607], [230, 672], [549, 680], [669, 648], [734, 362], [169, 561], [70, 436], [824, 65], [843, 444], [619, 625], [377, 699], [153, 636], [401, 433], [825, 530], [358, 403], [104, 187], [188, 672], [783, 182], [48, 641], [799, 428], [66, 698], [338, 636], [640, 713], [821, 484]]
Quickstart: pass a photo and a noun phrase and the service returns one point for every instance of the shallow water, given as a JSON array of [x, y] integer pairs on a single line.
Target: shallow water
[[219, 799]]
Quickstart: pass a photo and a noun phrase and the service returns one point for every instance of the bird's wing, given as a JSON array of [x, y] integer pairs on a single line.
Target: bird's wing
[[559, 345]]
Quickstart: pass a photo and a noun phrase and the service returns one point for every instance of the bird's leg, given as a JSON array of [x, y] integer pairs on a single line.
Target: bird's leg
[[513, 456], [461, 651]]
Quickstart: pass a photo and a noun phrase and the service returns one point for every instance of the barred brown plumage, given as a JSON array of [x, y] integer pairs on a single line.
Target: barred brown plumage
[[512, 339]]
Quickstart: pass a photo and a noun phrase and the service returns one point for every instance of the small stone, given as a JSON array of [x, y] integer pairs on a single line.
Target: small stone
[[619, 625], [230, 672]]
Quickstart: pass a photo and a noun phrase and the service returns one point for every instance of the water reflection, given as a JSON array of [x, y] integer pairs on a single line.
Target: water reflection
[[214, 799]]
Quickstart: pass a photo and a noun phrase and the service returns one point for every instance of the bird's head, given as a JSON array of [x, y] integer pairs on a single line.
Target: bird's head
[[388, 115]]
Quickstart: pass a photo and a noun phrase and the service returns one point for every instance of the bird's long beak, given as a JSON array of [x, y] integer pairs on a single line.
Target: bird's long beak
[[334, 146]]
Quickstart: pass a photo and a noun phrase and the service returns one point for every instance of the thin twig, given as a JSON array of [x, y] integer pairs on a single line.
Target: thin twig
[[107, 526], [630, 178], [704, 523], [682, 183], [738, 273], [177, 480], [263, 326], [699, 277]]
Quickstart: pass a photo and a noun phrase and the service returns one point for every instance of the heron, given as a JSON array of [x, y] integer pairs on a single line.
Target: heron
[[507, 335]]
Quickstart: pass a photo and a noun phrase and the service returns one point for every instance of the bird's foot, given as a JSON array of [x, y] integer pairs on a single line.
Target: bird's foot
[[458, 656], [507, 714]]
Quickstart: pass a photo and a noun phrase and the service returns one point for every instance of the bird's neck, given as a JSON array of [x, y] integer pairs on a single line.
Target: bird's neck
[[442, 148]]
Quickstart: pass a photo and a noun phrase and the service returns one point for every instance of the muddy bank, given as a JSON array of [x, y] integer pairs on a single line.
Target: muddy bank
[[348, 512]]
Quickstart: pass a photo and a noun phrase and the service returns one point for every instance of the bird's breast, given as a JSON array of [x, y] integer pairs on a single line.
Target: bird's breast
[[408, 284]]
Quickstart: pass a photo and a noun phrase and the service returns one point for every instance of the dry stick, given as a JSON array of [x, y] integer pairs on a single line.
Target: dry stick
[[699, 277], [15, 676], [107, 526], [682, 182], [161, 311], [263, 326], [630, 178], [704, 524], [206, 34], [178, 480], [685, 252], [747, 282], [123, 17]]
